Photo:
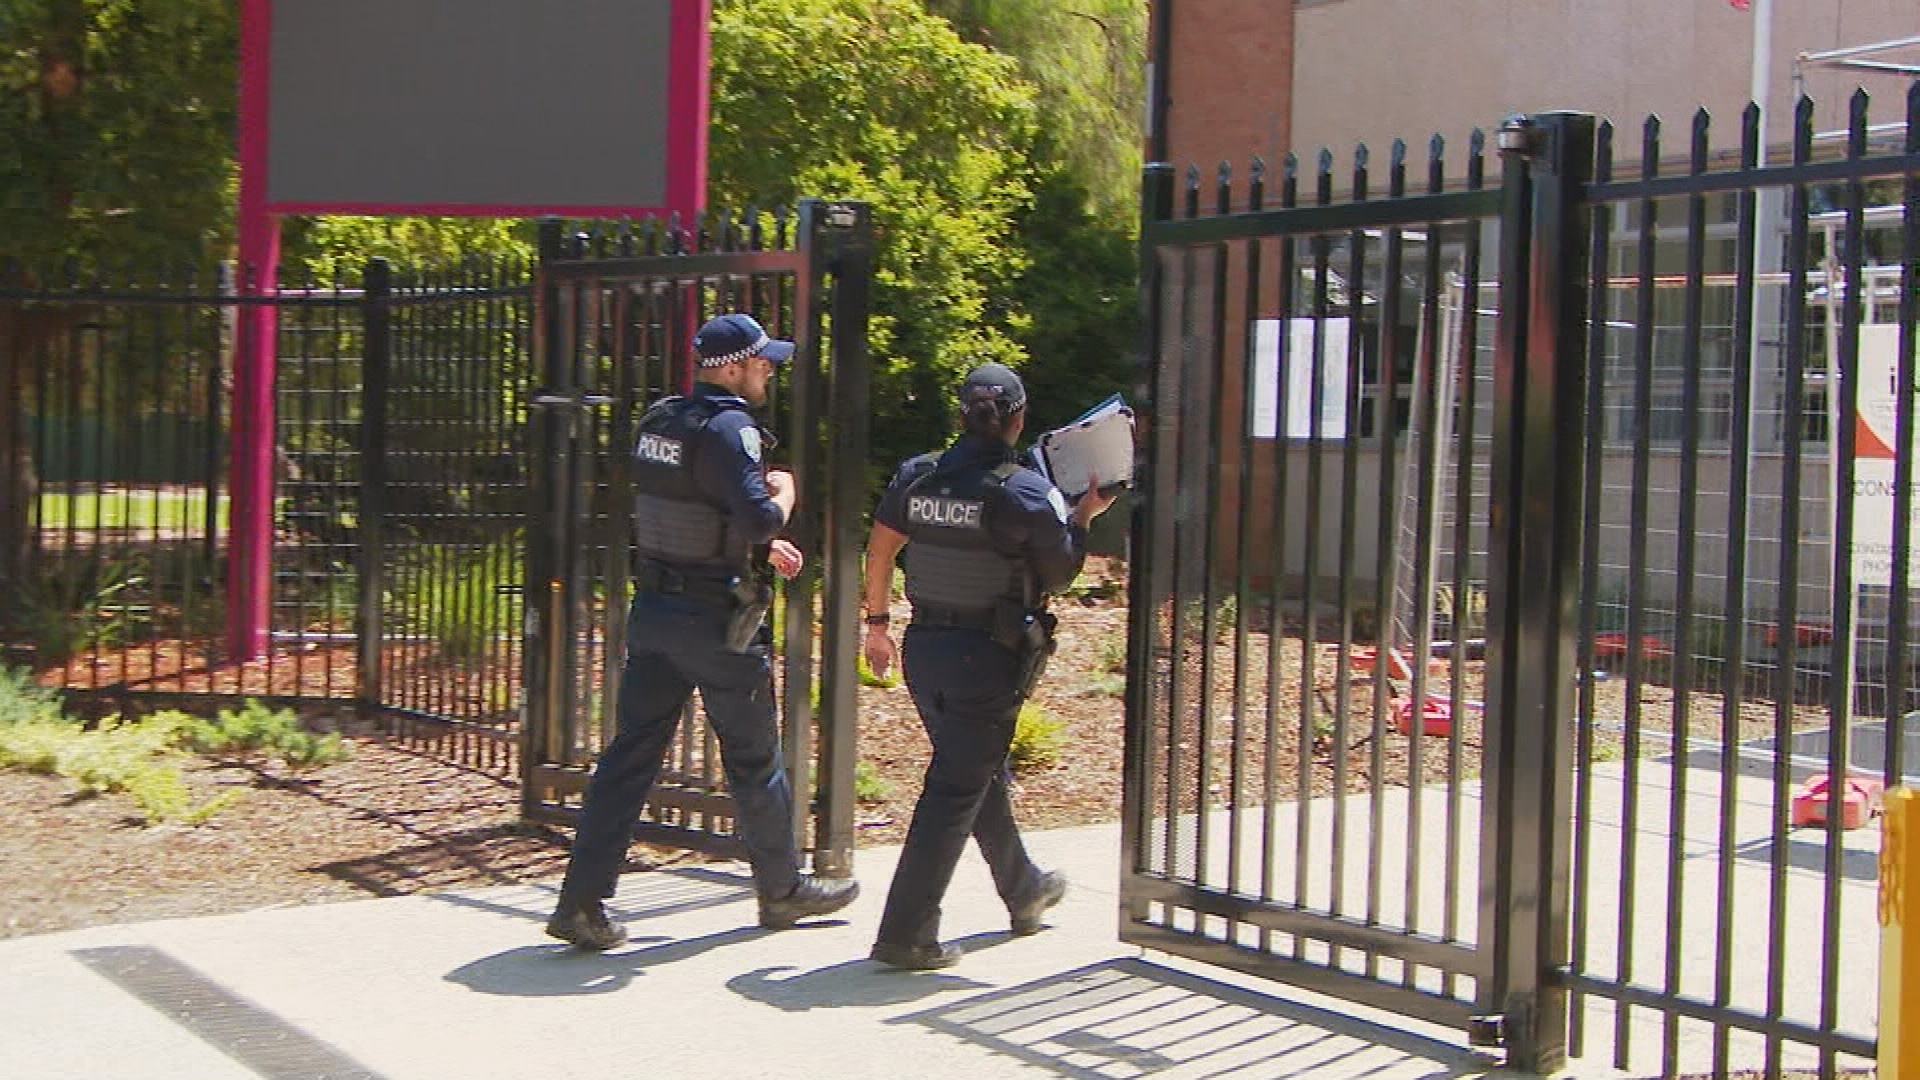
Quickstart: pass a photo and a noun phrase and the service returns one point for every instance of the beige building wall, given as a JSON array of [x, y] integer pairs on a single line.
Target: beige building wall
[[1373, 70]]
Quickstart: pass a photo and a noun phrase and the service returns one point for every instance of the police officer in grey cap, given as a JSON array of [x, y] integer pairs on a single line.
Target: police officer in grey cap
[[986, 541], [708, 513]]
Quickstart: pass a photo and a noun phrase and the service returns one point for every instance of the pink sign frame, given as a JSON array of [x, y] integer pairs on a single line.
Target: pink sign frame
[[689, 51]]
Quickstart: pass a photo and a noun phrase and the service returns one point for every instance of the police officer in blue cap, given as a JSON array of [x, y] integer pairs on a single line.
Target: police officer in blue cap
[[986, 541], [707, 517]]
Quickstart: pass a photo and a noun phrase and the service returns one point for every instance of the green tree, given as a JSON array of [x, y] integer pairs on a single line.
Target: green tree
[[1088, 60], [1078, 290], [116, 131], [877, 100]]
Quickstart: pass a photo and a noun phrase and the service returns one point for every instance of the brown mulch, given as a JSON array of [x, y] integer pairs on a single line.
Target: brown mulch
[[386, 823]]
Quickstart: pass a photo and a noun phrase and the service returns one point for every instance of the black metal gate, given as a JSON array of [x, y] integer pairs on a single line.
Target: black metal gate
[[615, 322], [1479, 639], [1265, 826]]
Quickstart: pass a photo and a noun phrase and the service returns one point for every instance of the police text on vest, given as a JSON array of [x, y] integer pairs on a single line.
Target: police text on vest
[[659, 450], [943, 512]]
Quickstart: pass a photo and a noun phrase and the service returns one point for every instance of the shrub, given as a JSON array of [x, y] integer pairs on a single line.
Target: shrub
[[255, 732], [868, 785], [1037, 739], [24, 701], [468, 601], [73, 604], [135, 758]]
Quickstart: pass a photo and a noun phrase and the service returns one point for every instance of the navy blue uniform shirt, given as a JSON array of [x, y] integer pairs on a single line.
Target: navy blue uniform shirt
[[728, 466], [1032, 523]]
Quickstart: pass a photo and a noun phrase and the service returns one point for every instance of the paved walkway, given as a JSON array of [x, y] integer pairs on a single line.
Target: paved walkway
[[464, 985]]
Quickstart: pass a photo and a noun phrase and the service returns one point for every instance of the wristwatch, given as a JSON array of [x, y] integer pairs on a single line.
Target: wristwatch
[[882, 619]]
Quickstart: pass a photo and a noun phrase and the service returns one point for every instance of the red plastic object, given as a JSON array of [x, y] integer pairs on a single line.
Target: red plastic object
[[1805, 635], [1366, 659], [1616, 646], [1859, 802], [1436, 718]]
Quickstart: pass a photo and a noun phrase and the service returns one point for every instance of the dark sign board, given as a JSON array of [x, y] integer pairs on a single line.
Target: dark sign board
[[508, 108]]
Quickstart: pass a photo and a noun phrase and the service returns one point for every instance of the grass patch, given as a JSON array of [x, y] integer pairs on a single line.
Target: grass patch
[[176, 511]]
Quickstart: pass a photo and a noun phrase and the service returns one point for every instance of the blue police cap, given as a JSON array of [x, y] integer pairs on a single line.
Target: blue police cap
[[734, 337]]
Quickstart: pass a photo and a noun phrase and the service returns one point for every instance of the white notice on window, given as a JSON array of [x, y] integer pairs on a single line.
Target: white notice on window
[[1266, 378], [1297, 375]]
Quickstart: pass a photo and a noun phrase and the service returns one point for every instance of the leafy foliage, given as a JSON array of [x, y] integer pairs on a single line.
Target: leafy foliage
[[254, 732], [877, 100], [80, 602], [116, 129], [1088, 61], [868, 785], [136, 758], [1038, 737], [467, 600]]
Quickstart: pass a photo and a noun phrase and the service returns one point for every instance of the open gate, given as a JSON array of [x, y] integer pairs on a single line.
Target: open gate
[[1481, 664], [615, 319]]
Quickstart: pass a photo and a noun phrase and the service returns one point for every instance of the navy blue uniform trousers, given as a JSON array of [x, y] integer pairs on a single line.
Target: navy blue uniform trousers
[[675, 644], [965, 688]]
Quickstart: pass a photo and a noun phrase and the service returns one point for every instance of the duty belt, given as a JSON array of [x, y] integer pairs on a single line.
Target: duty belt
[[653, 576], [956, 618]]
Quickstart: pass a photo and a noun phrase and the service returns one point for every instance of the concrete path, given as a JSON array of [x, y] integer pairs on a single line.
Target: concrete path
[[464, 985]]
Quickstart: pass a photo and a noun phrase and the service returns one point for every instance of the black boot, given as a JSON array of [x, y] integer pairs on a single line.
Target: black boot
[[813, 896], [1047, 892], [584, 925], [916, 957]]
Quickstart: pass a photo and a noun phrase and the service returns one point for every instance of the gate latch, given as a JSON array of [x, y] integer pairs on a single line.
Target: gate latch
[[570, 401], [1489, 1031]]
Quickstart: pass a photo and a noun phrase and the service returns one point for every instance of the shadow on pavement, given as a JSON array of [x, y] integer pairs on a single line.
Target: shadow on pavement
[[1140, 1019], [858, 983], [560, 971], [649, 895]]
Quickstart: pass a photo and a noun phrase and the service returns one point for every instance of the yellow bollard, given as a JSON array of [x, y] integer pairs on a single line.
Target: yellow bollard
[[1900, 937]]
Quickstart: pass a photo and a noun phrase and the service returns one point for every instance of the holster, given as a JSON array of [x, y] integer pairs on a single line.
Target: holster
[[1032, 648], [752, 599]]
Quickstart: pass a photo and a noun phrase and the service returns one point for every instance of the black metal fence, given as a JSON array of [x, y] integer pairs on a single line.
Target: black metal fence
[[1512, 556], [399, 514], [618, 313]]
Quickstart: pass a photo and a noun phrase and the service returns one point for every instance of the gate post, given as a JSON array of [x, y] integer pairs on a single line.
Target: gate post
[[376, 308], [545, 657], [1537, 495], [1156, 205], [842, 236]]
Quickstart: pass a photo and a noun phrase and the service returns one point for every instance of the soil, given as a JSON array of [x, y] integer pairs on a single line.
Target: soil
[[405, 815]]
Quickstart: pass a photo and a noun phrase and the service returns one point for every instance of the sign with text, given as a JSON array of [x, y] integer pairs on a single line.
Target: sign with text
[[1875, 440]]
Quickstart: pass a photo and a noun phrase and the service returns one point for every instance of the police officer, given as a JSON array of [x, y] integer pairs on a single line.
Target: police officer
[[989, 540], [706, 516]]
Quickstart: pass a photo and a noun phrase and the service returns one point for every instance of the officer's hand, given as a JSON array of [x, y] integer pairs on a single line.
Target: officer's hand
[[1092, 504], [781, 486], [878, 649], [785, 558]]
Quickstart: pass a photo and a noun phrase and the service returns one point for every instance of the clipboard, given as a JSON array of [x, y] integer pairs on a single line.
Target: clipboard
[[1099, 443]]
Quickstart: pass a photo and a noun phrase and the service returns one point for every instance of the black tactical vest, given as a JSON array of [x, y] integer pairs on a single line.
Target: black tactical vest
[[953, 562], [674, 520]]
